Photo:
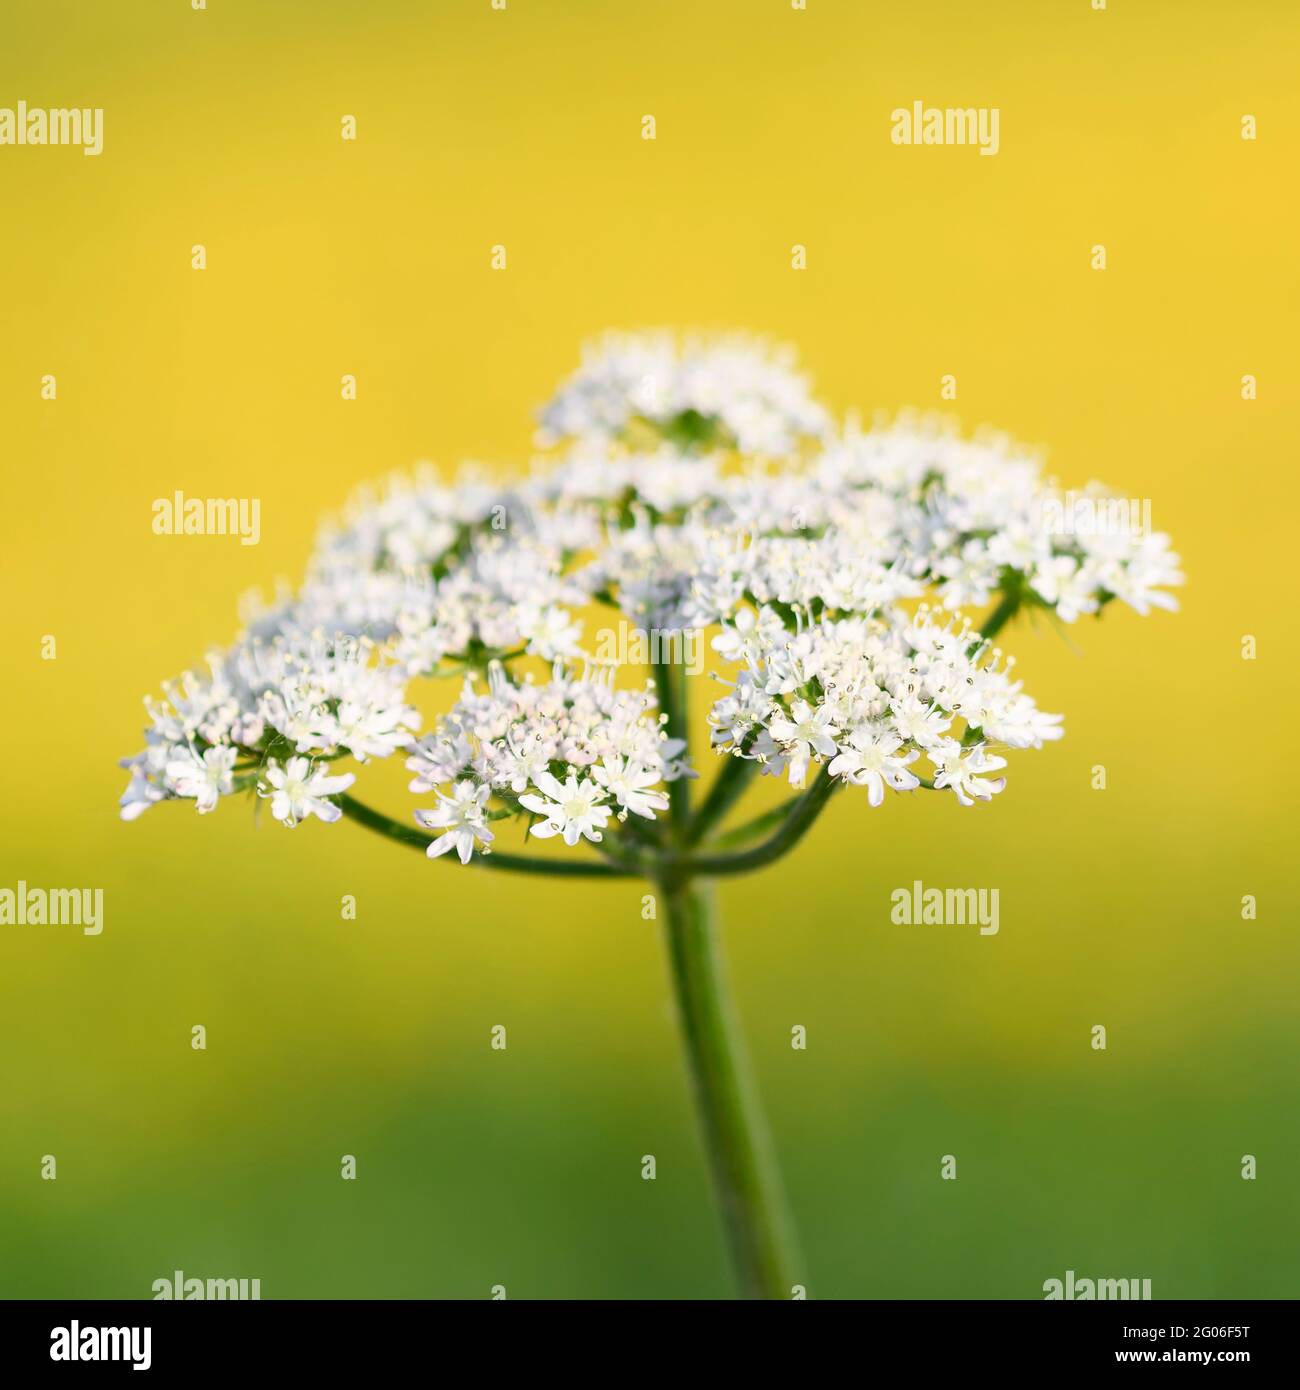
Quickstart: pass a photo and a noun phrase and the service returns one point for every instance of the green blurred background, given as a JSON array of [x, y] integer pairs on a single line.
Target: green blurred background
[[327, 1037]]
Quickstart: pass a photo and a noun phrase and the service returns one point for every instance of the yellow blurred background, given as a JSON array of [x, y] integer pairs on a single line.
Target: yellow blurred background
[[522, 128]]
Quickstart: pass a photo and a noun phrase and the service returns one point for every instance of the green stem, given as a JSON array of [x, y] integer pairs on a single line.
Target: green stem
[[630, 857], [1001, 615], [419, 839], [670, 685], [795, 826], [751, 829], [728, 786], [740, 1153]]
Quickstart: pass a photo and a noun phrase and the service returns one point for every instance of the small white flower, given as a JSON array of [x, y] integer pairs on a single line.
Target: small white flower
[[960, 769], [366, 730], [1069, 587], [748, 635], [553, 632], [804, 733], [146, 770], [460, 817], [297, 790], [919, 722], [523, 759], [205, 778], [572, 808], [628, 783], [870, 762]]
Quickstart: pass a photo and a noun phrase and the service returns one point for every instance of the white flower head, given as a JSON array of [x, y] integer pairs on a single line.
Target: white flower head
[[703, 496]]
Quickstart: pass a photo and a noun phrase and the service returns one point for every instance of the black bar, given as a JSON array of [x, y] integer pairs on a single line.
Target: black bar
[[338, 1338]]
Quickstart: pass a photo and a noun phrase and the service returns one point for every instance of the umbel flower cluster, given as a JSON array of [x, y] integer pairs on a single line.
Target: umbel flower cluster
[[693, 491]]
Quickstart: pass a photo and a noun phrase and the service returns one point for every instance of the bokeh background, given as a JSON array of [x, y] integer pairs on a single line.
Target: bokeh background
[[479, 127]]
